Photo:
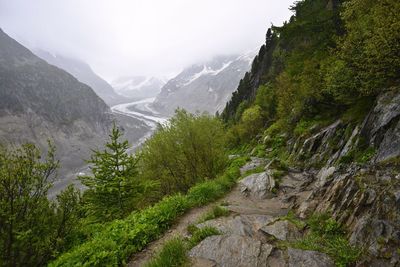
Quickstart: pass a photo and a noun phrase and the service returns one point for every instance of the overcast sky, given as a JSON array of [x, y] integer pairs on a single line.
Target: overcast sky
[[141, 37]]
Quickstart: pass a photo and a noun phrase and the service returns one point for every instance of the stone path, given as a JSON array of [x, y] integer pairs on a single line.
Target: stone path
[[251, 233]]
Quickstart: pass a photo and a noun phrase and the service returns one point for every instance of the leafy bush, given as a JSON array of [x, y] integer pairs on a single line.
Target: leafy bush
[[187, 150]]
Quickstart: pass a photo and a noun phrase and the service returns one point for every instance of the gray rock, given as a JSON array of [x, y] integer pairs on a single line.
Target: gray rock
[[245, 225], [258, 185], [324, 174], [232, 251], [382, 127], [282, 230], [308, 258], [371, 196], [397, 196]]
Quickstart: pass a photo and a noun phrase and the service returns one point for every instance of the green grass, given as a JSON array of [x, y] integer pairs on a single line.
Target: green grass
[[328, 236], [172, 254], [215, 212], [200, 234], [174, 251], [291, 217]]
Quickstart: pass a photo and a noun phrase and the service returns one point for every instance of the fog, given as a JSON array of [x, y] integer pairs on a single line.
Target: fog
[[141, 37]]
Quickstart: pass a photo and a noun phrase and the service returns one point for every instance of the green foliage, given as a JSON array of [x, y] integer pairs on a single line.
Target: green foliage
[[172, 254], [33, 229], [334, 56], [358, 111], [114, 189], [368, 56], [215, 212], [113, 244], [188, 150], [359, 155], [328, 236], [306, 126], [266, 100]]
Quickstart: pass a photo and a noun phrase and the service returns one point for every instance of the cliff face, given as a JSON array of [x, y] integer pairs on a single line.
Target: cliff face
[[363, 195], [39, 101]]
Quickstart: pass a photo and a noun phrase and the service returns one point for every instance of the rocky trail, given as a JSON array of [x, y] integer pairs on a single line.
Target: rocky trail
[[249, 235], [350, 172]]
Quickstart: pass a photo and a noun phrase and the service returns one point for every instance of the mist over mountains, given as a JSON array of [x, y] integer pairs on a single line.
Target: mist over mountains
[[84, 73]]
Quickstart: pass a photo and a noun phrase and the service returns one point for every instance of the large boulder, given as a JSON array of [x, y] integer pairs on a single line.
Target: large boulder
[[232, 251], [258, 185]]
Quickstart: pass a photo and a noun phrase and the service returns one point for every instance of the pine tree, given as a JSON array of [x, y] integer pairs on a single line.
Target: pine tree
[[114, 188]]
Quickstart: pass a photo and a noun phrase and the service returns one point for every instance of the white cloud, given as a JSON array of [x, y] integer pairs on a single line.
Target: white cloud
[[141, 37]]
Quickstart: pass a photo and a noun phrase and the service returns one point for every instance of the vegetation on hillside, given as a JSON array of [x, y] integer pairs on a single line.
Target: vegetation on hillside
[[330, 60], [330, 56]]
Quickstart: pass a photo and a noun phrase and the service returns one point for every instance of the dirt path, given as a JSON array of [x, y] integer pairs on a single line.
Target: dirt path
[[238, 204]]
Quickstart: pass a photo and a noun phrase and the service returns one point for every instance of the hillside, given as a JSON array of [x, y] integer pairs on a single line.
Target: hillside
[[39, 101], [84, 74], [204, 87], [301, 168]]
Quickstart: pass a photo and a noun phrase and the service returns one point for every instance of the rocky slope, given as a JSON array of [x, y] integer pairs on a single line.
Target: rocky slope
[[39, 101], [347, 170], [204, 87], [363, 194], [138, 86], [84, 74]]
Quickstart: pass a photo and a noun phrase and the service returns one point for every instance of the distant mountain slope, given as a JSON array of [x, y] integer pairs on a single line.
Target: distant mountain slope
[[204, 87], [39, 101], [83, 72], [138, 86]]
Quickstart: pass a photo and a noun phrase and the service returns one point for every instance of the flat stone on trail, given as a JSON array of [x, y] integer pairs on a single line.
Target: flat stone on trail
[[308, 258], [246, 225], [232, 251]]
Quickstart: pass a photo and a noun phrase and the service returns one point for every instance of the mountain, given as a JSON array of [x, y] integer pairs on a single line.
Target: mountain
[[83, 72], [138, 86], [39, 101], [204, 87]]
